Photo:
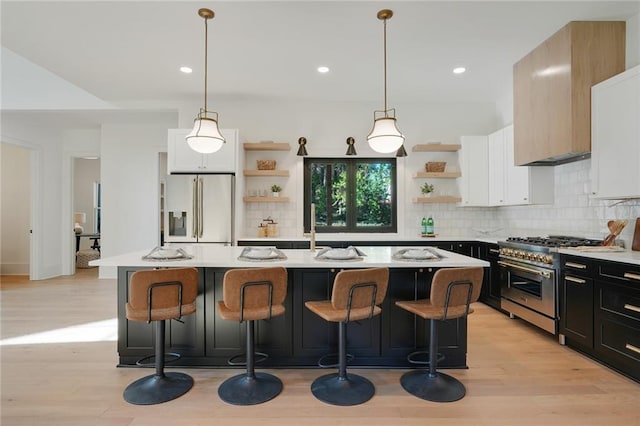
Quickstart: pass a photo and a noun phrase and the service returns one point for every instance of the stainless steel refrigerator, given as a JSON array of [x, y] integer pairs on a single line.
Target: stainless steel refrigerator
[[199, 209]]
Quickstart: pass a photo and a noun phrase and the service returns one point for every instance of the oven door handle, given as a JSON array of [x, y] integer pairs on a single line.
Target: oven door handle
[[524, 268]]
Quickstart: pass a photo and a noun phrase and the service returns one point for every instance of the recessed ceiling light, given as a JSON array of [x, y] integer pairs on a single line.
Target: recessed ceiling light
[[323, 70], [186, 70], [459, 70]]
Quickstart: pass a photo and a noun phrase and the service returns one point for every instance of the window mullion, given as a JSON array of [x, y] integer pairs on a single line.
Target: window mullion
[[352, 215]]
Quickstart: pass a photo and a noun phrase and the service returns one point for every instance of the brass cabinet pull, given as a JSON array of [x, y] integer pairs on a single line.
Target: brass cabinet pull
[[632, 276], [575, 280], [632, 348], [631, 307], [494, 250], [575, 265]]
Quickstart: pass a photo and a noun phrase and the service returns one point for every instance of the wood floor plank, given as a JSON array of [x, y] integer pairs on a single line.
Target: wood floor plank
[[517, 374]]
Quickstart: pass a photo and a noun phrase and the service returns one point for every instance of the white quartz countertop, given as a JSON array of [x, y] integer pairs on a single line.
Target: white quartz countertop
[[227, 257], [627, 256], [377, 237]]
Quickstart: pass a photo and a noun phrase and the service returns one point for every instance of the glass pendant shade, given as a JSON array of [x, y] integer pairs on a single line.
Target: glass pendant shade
[[385, 137], [205, 137]]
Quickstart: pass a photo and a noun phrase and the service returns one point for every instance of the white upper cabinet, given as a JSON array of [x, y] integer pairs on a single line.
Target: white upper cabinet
[[491, 178], [497, 169], [525, 185], [182, 159], [615, 136], [474, 163]]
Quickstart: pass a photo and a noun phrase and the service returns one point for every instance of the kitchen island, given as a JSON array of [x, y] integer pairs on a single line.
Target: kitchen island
[[298, 338]]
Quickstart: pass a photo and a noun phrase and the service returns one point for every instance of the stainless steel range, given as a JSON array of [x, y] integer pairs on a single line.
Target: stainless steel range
[[529, 269]]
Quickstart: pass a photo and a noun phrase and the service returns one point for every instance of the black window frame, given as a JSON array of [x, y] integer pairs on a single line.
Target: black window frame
[[351, 166]]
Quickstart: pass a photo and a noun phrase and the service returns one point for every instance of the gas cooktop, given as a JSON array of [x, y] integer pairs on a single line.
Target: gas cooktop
[[555, 241]]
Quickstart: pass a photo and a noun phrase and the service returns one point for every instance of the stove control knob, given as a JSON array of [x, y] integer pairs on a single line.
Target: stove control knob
[[548, 259]]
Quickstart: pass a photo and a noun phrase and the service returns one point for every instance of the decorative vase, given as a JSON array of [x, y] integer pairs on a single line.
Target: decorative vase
[[275, 194]]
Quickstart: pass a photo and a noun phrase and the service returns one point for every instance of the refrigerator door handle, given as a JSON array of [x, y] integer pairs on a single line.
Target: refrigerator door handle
[[200, 207], [194, 208]]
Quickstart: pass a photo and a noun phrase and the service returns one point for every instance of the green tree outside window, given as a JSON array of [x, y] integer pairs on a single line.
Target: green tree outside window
[[351, 195]]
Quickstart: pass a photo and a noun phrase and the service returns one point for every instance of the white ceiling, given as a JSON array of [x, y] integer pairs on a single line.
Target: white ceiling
[[128, 53]]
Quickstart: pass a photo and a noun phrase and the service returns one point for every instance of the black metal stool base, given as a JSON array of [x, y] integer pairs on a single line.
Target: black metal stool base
[[245, 390], [156, 389], [437, 388], [352, 390]]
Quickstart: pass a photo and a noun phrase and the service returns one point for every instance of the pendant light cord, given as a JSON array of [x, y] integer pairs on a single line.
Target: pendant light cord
[[206, 61], [385, 68]]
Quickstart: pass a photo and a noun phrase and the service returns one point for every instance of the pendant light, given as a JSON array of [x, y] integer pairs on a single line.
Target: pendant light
[[385, 136], [205, 136], [401, 151]]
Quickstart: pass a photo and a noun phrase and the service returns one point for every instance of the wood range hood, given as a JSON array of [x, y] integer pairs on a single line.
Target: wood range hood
[[552, 91]]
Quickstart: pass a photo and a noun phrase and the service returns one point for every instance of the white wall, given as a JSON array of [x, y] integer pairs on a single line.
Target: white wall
[[633, 41], [46, 179], [130, 188], [15, 191]]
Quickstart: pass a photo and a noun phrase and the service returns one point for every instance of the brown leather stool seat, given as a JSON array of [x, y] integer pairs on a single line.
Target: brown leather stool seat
[[452, 291], [156, 296], [250, 295], [356, 295]]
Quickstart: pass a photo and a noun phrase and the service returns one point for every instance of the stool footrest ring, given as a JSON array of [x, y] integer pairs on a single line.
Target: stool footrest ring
[[413, 358], [260, 357], [322, 362], [168, 358]]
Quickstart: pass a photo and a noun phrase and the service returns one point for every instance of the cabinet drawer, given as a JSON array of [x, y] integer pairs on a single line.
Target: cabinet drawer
[[620, 300], [621, 273], [620, 345], [576, 266]]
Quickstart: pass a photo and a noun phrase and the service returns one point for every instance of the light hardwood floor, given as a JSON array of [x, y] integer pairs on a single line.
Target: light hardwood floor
[[517, 375]]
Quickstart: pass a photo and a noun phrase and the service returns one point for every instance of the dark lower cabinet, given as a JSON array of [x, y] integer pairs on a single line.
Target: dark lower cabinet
[[600, 311], [491, 287], [617, 317], [576, 301]]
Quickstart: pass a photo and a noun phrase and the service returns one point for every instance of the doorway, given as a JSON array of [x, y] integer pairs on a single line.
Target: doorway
[[87, 203], [15, 178]]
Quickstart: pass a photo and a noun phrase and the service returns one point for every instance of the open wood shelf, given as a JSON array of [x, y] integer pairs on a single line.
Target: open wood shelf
[[283, 173], [446, 175], [267, 146], [439, 199], [436, 147], [265, 199]]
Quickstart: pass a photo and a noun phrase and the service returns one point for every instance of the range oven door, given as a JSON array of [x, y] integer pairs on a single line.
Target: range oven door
[[530, 286]]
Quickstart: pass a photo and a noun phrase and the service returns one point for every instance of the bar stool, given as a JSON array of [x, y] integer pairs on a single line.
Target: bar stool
[[250, 295], [356, 295], [452, 291], [160, 295]]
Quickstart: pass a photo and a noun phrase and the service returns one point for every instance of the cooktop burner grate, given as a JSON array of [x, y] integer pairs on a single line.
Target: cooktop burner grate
[[556, 241]]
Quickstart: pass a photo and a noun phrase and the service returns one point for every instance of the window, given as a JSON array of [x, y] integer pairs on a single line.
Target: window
[[350, 195]]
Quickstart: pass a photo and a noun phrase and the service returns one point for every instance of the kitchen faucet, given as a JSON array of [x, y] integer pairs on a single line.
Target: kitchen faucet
[[312, 234]]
